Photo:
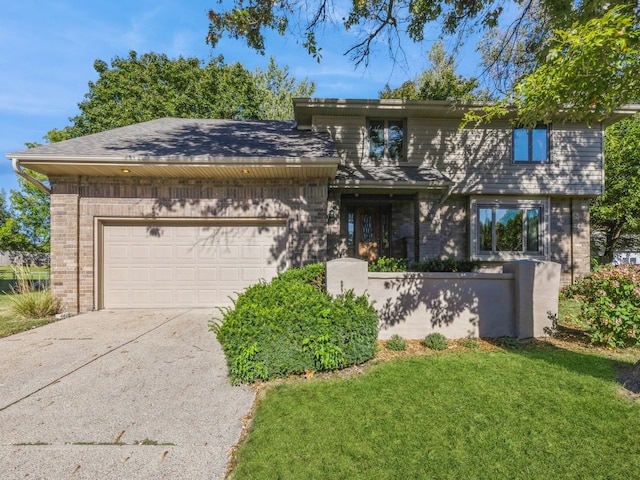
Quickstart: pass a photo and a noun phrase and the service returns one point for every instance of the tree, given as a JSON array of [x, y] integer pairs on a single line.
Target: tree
[[590, 69], [277, 90], [616, 213], [14, 234], [141, 88], [567, 44], [30, 211], [439, 82]]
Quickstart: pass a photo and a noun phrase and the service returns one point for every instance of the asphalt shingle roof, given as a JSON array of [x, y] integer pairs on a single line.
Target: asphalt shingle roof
[[197, 139]]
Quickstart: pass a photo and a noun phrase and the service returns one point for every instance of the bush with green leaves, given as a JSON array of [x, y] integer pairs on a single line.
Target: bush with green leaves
[[609, 305], [470, 342], [388, 264], [396, 343], [435, 341], [291, 325], [448, 264]]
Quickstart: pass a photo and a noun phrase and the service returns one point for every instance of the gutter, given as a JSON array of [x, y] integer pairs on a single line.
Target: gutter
[[19, 171]]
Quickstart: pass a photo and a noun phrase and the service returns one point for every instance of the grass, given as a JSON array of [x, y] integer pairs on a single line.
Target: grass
[[34, 273], [547, 409], [11, 324]]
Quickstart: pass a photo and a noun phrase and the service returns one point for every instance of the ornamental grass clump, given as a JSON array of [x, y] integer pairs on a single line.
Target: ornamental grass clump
[[291, 325], [29, 301], [609, 305]]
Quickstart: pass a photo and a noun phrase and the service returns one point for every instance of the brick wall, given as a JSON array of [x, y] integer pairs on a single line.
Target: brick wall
[[77, 203]]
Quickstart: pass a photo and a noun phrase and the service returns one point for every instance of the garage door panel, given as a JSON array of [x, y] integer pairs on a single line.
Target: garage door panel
[[161, 252], [185, 265]]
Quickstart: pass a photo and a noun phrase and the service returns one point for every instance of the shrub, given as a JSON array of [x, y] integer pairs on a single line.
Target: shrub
[[396, 343], [609, 305], [388, 264], [291, 325], [509, 343], [471, 343], [435, 341], [444, 265]]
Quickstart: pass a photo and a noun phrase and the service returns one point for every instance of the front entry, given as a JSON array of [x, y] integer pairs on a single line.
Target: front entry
[[368, 232]]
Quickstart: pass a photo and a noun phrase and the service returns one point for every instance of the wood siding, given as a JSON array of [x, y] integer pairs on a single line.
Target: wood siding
[[478, 160]]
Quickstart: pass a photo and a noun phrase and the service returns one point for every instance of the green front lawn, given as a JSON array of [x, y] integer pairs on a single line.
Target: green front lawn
[[538, 412]]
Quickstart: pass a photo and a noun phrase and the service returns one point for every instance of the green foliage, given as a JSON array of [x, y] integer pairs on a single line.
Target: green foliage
[[25, 225], [471, 343], [448, 264], [609, 305], [435, 341], [616, 213], [150, 86], [396, 343], [277, 89], [509, 343], [589, 70], [291, 325], [30, 302], [30, 207], [439, 82], [388, 264]]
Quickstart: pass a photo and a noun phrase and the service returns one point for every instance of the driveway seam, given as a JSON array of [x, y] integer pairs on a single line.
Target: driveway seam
[[53, 382]]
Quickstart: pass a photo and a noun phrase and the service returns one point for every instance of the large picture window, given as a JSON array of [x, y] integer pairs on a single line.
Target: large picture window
[[386, 139], [531, 145], [509, 229]]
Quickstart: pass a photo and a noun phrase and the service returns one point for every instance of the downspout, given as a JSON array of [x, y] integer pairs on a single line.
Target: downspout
[[19, 171]]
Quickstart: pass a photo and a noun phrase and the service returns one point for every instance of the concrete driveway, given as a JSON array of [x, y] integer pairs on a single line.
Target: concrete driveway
[[118, 395]]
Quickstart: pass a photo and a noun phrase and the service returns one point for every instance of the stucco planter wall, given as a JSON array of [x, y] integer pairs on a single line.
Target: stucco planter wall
[[519, 302]]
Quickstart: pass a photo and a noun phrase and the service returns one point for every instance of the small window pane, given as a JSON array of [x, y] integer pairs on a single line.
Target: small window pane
[[485, 229], [395, 145], [367, 227], [351, 228], [539, 145], [376, 139], [533, 235], [509, 230], [521, 145]]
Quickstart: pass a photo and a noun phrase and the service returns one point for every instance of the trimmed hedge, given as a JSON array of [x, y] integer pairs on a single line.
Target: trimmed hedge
[[291, 325], [448, 264]]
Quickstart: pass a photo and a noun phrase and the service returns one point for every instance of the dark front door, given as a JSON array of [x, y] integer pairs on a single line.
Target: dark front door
[[369, 232]]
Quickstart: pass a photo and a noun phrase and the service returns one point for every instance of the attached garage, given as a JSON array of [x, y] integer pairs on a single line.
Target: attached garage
[[185, 264], [182, 213]]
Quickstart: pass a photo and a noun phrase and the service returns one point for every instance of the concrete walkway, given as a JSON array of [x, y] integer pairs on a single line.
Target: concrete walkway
[[118, 395]]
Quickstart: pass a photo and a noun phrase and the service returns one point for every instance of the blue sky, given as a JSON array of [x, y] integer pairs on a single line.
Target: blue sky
[[48, 47]]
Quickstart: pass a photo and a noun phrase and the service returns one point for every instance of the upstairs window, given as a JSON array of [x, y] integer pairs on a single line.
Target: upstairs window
[[386, 140], [531, 145]]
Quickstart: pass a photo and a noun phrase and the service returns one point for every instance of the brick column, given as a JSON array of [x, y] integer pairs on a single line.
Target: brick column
[[580, 238], [64, 250]]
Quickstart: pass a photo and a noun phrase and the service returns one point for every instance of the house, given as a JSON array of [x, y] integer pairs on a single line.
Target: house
[[185, 212]]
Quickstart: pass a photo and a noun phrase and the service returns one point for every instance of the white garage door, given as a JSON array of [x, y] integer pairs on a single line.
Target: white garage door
[[174, 265]]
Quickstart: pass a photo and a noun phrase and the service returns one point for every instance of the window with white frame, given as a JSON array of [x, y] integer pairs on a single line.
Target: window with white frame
[[509, 229], [386, 139], [531, 145]]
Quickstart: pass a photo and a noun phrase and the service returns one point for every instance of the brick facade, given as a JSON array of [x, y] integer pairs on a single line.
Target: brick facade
[[77, 204]]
